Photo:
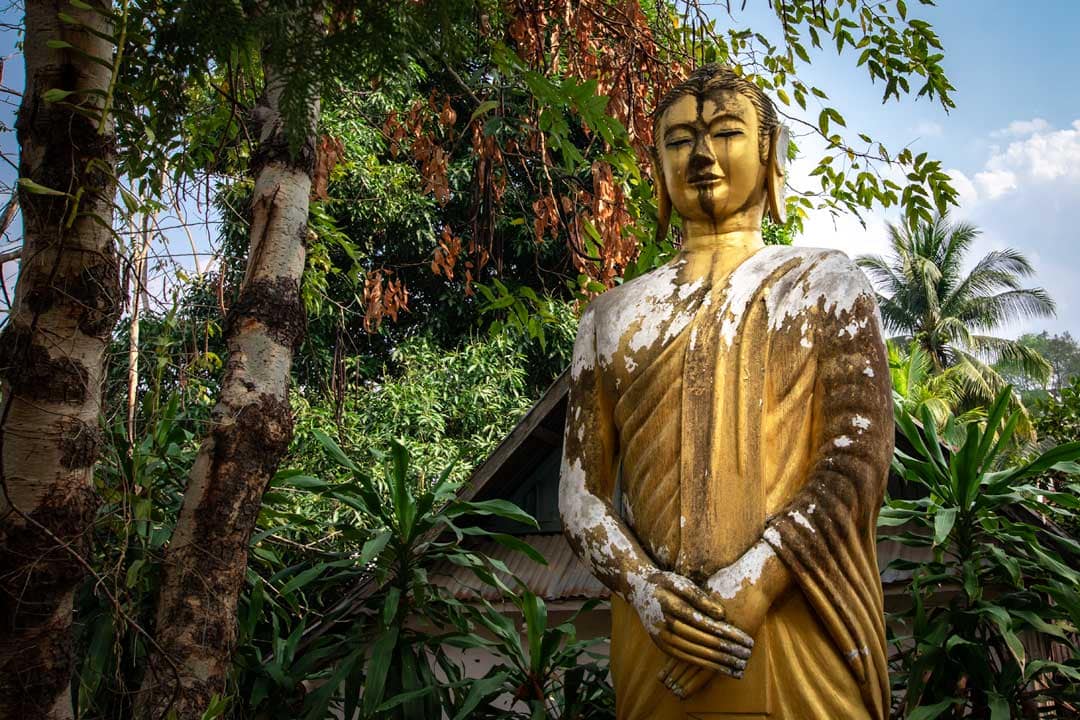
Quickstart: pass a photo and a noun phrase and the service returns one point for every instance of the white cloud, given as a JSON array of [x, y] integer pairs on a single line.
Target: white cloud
[[966, 193], [1045, 155], [1019, 128], [995, 183]]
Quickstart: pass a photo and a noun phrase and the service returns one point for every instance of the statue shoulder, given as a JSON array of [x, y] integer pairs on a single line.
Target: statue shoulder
[[803, 277], [656, 284]]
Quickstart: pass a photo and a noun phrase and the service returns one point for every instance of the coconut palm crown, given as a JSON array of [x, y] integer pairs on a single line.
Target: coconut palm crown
[[926, 299]]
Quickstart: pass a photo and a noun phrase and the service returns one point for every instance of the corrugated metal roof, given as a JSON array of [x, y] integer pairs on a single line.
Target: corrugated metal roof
[[565, 577]]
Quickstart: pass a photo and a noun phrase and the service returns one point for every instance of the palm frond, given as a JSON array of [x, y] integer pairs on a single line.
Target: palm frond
[[986, 313], [1026, 360]]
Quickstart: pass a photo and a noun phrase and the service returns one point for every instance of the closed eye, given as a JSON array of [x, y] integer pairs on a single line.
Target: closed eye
[[726, 133], [678, 143]]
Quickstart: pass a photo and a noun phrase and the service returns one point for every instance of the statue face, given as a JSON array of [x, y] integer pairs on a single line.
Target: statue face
[[710, 155]]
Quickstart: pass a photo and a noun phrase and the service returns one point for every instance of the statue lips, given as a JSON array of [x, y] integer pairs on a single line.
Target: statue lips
[[704, 179]]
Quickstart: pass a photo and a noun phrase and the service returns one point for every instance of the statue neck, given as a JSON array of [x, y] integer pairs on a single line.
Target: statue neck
[[705, 237]]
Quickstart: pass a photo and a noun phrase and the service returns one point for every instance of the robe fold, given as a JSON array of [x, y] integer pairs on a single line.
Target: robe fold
[[752, 402]]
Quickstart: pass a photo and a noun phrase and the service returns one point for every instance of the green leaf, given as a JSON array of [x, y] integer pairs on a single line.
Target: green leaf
[[402, 698], [480, 690], [35, 189], [56, 95], [334, 450], [535, 613], [999, 707], [483, 107], [373, 547], [305, 482], [929, 712], [520, 546], [378, 668], [390, 605], [944, 520], [303, 578], [1000, 617], [404, 502], [216, 708], [500, 508]]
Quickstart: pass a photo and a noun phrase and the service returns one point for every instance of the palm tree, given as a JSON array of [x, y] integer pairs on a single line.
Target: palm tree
[[928, 301]]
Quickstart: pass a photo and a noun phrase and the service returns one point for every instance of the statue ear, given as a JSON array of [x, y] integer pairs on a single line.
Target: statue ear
[[776, 174], [663, 200]]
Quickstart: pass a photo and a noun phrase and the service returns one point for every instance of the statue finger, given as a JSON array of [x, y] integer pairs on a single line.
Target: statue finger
[[679, 609], [702, 601], [677, 653], [693, 684], [702, 652], [671, 669], [708, 639], [683, 672]]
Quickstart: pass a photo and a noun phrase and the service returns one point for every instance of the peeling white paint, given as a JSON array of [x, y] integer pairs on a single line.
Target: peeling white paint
[[806, 343], [800, 519], [643, 599], [646, 303], [585, 345], [868, 371], [746, 570], [863, 423], [772, 535], [810, 510], [588, 519], [853, 327], [842, 441], [827, 277], [818, 276], [599, 534], [855, 652]]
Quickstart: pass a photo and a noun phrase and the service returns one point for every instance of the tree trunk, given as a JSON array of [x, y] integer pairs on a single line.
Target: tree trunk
[[206, 561], [52, 354]]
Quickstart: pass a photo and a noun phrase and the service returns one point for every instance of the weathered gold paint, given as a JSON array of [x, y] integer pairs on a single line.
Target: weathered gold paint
[[741, 394]]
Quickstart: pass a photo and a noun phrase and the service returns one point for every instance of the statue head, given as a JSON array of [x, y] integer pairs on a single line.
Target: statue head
[[719, 149]]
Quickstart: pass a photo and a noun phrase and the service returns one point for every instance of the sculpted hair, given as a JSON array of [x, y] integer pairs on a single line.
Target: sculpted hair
[[710, 80]]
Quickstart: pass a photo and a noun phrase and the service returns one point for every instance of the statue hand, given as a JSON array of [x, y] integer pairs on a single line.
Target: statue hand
[[746, 603], [684, 679], [687, 623]]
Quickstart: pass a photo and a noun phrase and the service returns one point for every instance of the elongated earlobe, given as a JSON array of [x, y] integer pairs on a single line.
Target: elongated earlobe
[[663, 202], [776, 177]]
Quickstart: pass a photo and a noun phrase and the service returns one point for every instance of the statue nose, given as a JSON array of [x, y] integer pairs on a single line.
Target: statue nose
[[702, 158]]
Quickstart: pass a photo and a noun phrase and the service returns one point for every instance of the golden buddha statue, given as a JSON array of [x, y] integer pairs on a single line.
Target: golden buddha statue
[[739, 397]]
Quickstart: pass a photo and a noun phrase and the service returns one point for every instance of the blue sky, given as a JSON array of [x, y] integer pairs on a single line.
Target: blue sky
[[1012, 143]]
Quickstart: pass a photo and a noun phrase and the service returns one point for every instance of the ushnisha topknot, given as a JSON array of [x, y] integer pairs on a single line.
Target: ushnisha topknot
[[709, 80]]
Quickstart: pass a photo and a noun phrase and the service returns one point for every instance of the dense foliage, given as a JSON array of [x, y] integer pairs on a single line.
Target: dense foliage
[[998, 584]]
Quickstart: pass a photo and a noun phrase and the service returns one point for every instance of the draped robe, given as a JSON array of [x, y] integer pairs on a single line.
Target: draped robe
[[753, 402]]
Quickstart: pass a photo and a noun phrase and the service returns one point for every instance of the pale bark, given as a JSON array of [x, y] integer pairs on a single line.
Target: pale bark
[[206, 560], [52, 358]]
